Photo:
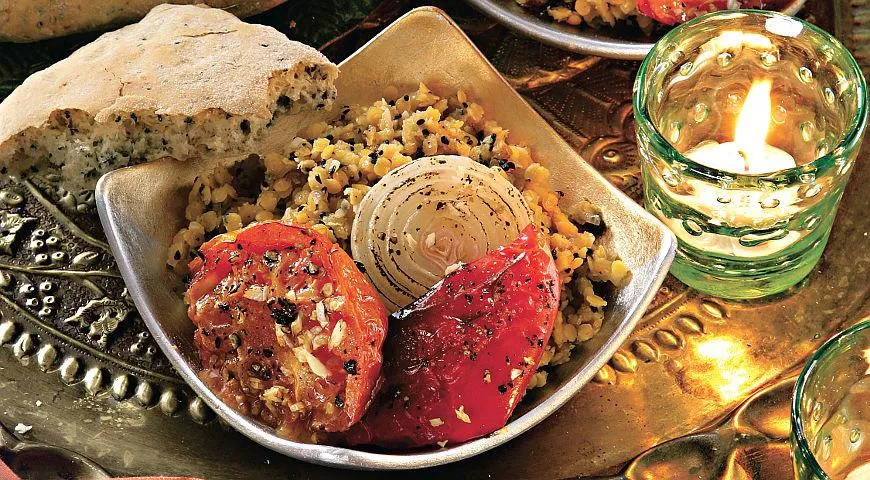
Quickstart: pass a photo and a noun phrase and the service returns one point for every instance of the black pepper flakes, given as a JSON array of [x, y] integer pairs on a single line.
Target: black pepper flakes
[[350, 367], [283, 311]]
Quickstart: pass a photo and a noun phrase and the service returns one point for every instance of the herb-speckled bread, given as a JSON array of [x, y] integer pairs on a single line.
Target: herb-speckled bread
[[185, 81], [31, 20]]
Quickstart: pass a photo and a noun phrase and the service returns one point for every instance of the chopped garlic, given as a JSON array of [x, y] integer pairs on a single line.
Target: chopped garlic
[[327, 290], [291, 295], [436, 422], [296, 326], [319, 341], [316, 365], [442, 444], [258, 293], [320, 314], [273, 394], [304, 295], [334, 304], [337, 334], [279, 335], [515, 373], [430, 240], [487, 376], [460, 414]]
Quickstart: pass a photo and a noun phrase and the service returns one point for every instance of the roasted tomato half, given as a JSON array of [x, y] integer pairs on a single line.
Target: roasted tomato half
[[458, 360], [289, 330], [671, 12]]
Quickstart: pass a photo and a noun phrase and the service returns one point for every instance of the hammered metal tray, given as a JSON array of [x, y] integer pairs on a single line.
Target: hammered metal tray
[[141, 207], [660, 408]]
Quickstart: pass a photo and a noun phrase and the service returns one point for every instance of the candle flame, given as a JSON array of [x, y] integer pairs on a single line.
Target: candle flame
[[753, 122]]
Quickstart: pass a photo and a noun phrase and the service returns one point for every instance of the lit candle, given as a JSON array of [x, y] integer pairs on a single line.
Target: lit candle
[[747, 154]]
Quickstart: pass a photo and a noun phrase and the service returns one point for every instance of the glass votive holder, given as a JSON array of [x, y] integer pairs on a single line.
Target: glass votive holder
[[830, 412], [748, 125]]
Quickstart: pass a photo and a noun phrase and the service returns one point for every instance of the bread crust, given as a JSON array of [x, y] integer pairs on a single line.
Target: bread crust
[[32, 20], [178, 61]]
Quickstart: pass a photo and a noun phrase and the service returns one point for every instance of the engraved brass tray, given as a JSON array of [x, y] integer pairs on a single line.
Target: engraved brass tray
[[700, 390]]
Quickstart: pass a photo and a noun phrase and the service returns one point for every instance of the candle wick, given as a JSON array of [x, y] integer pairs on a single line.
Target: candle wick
[[745, 160]]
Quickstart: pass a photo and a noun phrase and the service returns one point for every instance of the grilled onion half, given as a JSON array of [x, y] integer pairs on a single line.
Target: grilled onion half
[[428, 215]]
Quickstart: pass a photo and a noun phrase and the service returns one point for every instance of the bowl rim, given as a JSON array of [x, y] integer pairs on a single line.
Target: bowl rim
[[368, 460], [569, 37], [850, 141], [797, 425]]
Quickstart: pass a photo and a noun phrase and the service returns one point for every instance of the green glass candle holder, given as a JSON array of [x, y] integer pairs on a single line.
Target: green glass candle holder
[[750, 223], [830, 412]]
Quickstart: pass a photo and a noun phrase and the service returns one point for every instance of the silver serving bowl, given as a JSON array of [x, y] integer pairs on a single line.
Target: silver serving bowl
[[142, 207], [620, 42]]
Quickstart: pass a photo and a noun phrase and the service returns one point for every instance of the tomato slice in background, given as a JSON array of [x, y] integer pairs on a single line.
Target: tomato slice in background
[[458, 359], [672, 12], [289, 331]]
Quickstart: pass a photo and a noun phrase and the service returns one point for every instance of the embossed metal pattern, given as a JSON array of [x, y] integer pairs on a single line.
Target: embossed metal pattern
[[651, 394]]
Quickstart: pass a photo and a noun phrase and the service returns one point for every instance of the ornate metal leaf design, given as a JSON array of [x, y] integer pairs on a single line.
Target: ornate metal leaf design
[[101, 317], [10, 225]]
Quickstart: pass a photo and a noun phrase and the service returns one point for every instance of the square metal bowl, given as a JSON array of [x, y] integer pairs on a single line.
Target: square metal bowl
[[142, 207]]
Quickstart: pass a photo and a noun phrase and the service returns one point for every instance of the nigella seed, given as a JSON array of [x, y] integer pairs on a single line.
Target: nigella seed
[[283, 311], [445, 140], [267, 352], [502, 389], [425, 132], [350, 367], [421, 121], [245, 126], [360, 266], [217, 342], [339, 402], [188, 120]]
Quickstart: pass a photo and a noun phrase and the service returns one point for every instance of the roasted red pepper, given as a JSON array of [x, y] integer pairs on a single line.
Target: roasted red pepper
[[289, 330], [458, 360]]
